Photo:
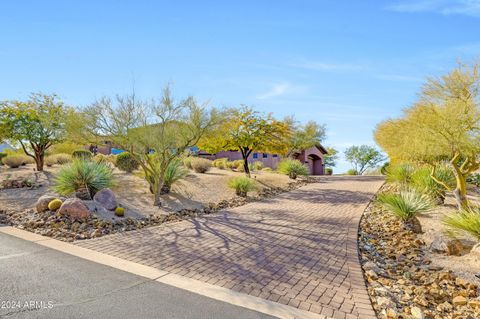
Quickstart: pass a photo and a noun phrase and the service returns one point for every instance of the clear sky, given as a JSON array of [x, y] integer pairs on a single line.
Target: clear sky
[[348, 64]]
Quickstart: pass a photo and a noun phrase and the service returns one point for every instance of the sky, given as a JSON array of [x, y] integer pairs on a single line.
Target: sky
[[346, 64]]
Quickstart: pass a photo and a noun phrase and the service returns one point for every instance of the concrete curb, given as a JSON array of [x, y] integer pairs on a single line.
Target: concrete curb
[[215, 292]]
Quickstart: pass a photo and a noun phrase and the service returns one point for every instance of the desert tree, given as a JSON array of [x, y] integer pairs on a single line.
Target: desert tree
[[247, 131], [35, 124], [442, 126], [331, 157], [363, 157], [303, 136], [155, 132]]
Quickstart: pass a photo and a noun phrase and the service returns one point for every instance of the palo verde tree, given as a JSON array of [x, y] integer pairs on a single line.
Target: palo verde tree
[[156, 133], [442, 126], [35, 125], [247, 131], [363, 157]]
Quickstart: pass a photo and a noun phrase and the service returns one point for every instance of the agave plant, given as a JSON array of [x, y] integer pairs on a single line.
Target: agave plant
[[406, 205], [465, 222], [83, 177]]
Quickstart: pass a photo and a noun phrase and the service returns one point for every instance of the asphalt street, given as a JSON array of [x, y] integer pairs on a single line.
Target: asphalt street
[[38, 282]]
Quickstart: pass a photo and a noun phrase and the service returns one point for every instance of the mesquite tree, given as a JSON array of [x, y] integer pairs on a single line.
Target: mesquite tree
[[35, 125]]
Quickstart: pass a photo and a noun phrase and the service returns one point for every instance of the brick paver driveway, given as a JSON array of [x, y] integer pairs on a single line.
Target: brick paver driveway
[[298, 248]]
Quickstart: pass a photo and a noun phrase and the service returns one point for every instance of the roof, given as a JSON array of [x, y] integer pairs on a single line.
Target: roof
[[321, 148]]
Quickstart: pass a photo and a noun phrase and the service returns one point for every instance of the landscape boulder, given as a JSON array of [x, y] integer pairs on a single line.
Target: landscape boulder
[[74, 208], [106, 198], [42, 203], [443, 245]]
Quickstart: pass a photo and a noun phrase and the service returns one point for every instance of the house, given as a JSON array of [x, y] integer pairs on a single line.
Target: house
[[313, 157]]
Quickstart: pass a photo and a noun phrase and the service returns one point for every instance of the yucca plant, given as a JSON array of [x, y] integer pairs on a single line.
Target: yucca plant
[[175, 171], [406, 205], [83, 177], [242, 185], [465, 222], [292, 168]]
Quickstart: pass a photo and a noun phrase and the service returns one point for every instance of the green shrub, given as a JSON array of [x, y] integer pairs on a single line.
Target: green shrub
[[400, 174], [126, 162], [14, 161], [422, 181], [328, 171], [82, 154], [201, 165], [2, 155], [242, 185], [83, 175], [352, 171], [256, 166], [292, 168], [466, 222], [406, 204], [175, 171]]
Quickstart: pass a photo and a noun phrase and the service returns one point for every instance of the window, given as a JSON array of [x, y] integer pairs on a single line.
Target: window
[[255, 155], [265, 155], [275, 155]]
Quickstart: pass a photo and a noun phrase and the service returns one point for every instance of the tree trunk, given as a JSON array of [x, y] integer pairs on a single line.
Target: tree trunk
[[460, 192], [39, 160], [245, 166], [158, 200]]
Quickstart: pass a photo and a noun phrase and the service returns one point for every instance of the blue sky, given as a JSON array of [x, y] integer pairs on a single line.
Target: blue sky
[[348, 64]]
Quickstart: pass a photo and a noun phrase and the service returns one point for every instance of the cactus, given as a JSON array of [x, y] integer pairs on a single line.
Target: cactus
[[55, 204], [120, 211]]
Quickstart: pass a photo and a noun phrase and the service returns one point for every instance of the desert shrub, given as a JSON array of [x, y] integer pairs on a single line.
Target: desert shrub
[[62, 158], [267, 169], [175, 171], [292, 168], [187, 162], [82, 154], [422, 181], [101, 158], [126, 162], [201, 165], [2, 155], [352, 171], [465, 222], [83, 175], [400, 174], [242, 185], [328, 171], [27, 159], [14, 161], [220, 163], [50, 160], [256, 166], [64, 148], [406, 204]]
